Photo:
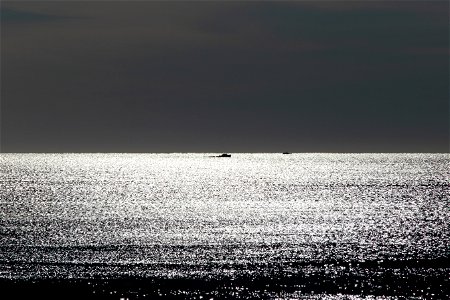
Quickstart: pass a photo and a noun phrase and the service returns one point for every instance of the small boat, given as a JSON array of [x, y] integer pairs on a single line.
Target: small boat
[[286, 152], [224, 155]]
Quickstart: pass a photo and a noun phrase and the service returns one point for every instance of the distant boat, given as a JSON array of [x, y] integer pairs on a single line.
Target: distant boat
[[224, 155], [286, 152]]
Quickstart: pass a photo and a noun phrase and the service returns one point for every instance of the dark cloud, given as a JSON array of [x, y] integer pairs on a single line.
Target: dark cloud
[[216, 76], [14, 16]]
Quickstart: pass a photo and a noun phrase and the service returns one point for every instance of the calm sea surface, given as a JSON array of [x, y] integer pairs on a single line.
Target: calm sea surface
[[248, 226]]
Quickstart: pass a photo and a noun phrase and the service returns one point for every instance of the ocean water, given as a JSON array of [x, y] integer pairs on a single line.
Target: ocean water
[[312, 226]]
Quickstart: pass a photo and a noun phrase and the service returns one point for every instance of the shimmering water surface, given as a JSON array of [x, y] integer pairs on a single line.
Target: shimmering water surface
[[252, 225]]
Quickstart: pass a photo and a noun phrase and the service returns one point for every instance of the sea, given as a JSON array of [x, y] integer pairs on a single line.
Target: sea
[[249, 226]]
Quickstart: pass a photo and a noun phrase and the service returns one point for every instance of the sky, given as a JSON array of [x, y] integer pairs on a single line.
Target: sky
[[216, 76]]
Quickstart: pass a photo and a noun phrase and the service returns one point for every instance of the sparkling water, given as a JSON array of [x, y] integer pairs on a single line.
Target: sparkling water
[[335, 224]]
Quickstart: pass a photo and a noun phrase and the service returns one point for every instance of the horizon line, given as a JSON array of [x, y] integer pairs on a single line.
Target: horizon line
[[215, 152]]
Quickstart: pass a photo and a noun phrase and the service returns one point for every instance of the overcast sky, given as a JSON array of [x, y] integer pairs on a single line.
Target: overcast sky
[[305, 76]]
